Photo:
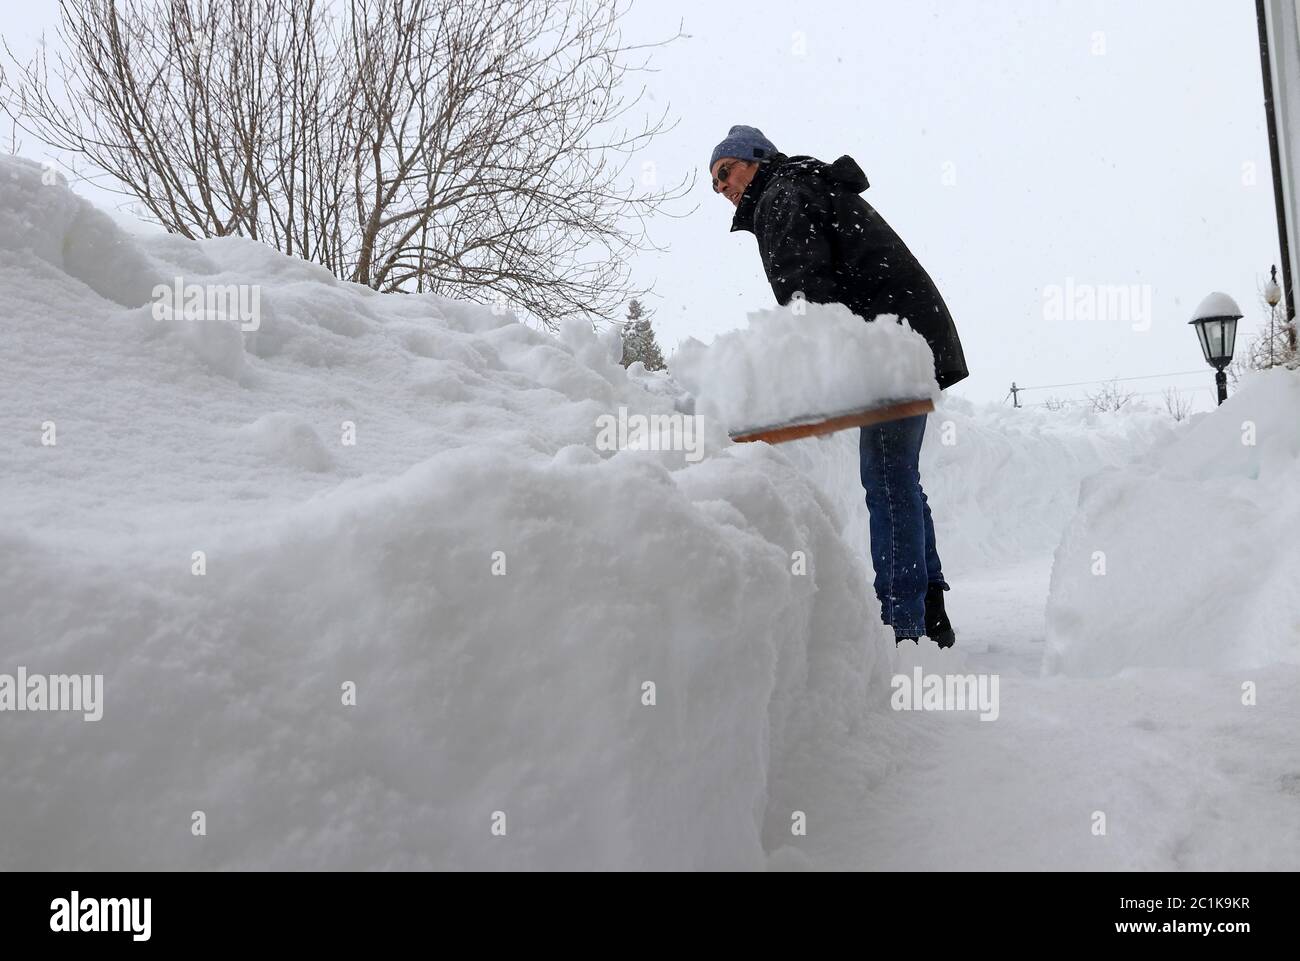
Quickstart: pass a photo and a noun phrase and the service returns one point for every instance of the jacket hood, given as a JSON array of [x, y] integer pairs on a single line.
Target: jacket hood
[[845, 171]]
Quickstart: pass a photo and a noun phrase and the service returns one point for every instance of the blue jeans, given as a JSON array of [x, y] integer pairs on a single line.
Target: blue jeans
[[902, 533]]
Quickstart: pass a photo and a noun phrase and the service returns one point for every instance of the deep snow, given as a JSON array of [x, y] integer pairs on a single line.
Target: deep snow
[[1187, 558], [498, 589]]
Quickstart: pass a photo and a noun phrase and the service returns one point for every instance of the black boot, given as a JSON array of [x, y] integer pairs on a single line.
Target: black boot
[[937, 627]]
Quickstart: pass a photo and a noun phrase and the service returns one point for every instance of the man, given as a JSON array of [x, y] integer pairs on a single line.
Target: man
[[820, 240]]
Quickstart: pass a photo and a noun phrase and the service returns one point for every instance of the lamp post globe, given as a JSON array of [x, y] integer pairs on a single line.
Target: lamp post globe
[[1272, 292]]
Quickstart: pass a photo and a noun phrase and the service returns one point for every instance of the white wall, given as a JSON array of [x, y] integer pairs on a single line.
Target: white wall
[[1284, 51]]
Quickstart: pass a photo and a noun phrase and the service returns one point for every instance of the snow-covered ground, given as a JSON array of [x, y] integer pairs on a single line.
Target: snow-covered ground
[[410, 498]]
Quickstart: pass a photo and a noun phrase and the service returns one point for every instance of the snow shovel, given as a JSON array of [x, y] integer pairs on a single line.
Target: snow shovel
[[813, 426]]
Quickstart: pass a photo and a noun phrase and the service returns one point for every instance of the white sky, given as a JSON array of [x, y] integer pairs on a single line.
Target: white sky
[[1122, 168]]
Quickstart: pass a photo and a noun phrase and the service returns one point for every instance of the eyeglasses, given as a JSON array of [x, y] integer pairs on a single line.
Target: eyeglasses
[[723, 173]]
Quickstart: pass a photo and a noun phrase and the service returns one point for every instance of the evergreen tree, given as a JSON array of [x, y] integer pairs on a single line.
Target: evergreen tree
[[639, 339]]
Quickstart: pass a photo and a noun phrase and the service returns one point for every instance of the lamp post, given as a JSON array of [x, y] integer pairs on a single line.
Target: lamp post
[[1216, 326], [1272, 294]]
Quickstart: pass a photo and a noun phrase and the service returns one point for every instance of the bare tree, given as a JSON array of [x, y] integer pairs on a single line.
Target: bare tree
[[1272, 345], [1237, 369], [1110, 397], [471, 148], [1056, 403], [1177, 403]]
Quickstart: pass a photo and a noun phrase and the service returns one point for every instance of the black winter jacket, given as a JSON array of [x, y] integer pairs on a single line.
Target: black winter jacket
[[816, 235]]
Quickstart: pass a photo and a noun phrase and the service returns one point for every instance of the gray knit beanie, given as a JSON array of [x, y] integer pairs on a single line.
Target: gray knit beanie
[[743, 143]]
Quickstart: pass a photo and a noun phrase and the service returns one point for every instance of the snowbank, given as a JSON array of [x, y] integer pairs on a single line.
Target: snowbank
[[401, 496], [1188, 557], [789, 368]]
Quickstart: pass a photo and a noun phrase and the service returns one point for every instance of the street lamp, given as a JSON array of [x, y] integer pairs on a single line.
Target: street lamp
[[1216, 326], [1272, 294]]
